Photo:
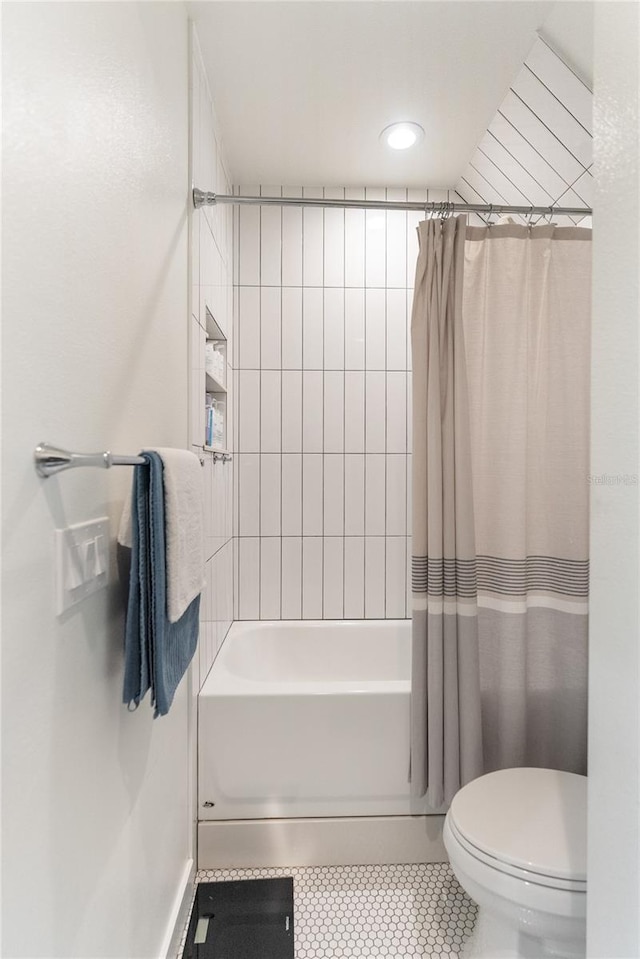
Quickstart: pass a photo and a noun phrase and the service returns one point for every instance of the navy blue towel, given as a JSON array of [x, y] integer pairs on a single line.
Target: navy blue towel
[[157, 652]]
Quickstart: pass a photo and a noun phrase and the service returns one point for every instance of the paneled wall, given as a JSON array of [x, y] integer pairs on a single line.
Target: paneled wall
[[211, 289], [323, 301]]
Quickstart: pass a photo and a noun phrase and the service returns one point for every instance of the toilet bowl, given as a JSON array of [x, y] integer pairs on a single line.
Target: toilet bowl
[[517, 843]]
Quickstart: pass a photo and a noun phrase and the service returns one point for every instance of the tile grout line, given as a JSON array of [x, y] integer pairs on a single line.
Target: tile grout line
[[324, 440], [302, 444], [386, 404], [406, 404], [344, 403], [314, 369], [240, 444], [260, 409], [546, 126], [338, 286], [364, 446], [535, 149], [281, 403]]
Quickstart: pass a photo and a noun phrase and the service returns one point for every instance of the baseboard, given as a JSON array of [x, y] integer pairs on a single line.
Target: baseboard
[[179, 912], [345, 841]]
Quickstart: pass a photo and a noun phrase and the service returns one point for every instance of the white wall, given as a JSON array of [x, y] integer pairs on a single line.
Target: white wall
[[613, 925], [323, 434], [95, 799]]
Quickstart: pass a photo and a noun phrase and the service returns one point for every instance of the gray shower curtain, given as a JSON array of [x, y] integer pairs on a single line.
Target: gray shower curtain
[[500, 338], [446, 747]]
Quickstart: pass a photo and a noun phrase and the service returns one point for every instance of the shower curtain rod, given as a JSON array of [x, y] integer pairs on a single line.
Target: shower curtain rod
[[204, 198]]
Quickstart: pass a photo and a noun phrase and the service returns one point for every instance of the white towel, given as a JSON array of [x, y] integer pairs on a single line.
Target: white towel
[[184, 521]]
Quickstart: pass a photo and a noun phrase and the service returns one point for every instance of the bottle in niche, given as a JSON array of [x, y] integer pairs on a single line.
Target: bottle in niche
[[214, 422], [209, 420], [219, 434]]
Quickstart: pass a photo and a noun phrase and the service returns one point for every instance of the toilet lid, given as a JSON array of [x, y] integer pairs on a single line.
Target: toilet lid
[[534, 819]]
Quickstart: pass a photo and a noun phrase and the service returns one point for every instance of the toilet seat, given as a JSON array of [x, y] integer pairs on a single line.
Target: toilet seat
[[526, 823], [551, 882]]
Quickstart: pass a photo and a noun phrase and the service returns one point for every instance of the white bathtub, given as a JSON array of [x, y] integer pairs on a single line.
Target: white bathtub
[[307, 719]]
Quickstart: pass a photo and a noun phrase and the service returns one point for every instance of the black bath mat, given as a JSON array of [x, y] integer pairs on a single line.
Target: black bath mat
[[245, 919]]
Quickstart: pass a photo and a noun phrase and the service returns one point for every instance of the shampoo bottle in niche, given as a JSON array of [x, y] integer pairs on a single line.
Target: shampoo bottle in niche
[[215, 413], [209, 421]]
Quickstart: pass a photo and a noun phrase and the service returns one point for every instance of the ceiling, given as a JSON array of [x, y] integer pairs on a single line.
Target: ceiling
[[303, 89]]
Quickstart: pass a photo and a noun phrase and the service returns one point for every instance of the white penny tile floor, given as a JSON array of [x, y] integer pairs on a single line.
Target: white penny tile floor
[[365, 911]]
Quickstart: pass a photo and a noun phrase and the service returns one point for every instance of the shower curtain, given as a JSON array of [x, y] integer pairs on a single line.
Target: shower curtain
[[446, 747], [523, 345]]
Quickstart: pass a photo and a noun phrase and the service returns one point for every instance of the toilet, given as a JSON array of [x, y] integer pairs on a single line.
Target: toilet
[[517, 843]]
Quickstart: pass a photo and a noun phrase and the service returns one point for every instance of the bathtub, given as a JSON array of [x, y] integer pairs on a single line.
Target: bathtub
[[307, 719]]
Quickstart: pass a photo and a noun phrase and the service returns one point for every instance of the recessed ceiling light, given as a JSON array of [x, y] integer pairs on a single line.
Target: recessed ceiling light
[[401, 136]]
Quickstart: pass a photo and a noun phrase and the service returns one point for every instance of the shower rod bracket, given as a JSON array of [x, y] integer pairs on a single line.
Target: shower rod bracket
[[203, 198]]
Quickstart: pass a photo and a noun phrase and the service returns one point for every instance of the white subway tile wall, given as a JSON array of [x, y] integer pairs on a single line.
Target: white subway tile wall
[[212, 289], [538, 149], [323, 441]]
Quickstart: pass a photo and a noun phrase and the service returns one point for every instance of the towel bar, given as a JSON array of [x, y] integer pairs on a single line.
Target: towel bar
[[51, 459]]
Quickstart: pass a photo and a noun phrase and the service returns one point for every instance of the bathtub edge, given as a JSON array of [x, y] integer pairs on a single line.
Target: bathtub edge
[[340, 841]]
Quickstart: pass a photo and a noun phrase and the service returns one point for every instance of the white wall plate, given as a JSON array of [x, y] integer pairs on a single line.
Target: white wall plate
[[82, 562]]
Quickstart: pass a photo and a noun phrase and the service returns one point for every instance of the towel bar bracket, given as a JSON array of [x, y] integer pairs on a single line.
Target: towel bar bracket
[[52, 459]]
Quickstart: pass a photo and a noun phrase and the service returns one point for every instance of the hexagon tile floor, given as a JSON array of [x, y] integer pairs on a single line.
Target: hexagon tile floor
[[356, 912]]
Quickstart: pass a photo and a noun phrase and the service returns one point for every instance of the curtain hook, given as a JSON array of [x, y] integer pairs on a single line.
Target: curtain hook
[[540, 217]]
